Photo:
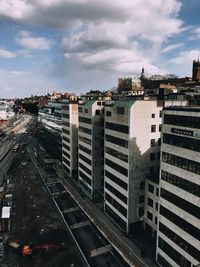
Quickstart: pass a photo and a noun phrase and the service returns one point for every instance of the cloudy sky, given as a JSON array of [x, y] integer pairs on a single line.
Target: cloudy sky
[[79, 45]]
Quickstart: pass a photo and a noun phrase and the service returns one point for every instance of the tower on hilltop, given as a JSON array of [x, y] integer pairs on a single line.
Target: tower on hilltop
[[196, 70]]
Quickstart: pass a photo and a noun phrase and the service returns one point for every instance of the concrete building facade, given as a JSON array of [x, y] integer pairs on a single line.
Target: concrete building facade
[[70, 138], [91, 147], [178, 241]]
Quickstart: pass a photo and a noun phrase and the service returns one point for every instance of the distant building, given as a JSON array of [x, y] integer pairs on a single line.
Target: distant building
[[196, 70], [178, 242]]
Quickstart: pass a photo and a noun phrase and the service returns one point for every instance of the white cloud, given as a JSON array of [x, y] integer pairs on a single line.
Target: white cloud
[[172, 47], [4, 53], [27, 40], [185, 57]]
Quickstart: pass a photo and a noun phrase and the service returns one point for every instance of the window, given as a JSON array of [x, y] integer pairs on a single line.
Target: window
[[153, 142], [153, 128], [141, 199], [156, 207], [80, 109], [150, 188], [185, 121], [86, 110], [117, 154], [153, 115], [97, 112], [120, 110], [152, 156], [159, 141], [108, 113], [116, 192], [157, 192], [149, 215], [116, 140], [117, 127], [116, 167], [161, 114], [142, 184], [98, 103], [115, 204], [160, 127], [150, 202], [156, 220], [84, 120], [116, 180], [141, 211]]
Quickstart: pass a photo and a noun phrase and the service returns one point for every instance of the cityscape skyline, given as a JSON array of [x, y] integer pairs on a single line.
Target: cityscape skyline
[[82, 45]]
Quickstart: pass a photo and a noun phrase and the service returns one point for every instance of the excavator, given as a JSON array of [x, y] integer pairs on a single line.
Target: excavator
[[28, 249]]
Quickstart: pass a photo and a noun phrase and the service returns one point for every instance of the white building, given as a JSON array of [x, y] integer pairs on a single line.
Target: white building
[[91, 146], [178, 242], [70, 138]]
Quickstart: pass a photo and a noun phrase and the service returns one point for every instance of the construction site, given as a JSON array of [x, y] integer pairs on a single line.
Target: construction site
[[33, 234]]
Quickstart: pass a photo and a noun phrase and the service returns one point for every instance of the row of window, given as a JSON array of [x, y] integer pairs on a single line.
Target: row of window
[[116, 180], [85, 187], [65, 131], [80, 109], [66, 169], [116, 205], [88, 161], [163, 262], [185, 121], [180, 141], [83, 167], [65, 107], [85, 140], [181, 223], [154, 156], [85, 120], [85, 130], [181, 203], [153, 115], [65, 115], [153, 128], [66, 161], [173, 254], [116, 192], [116, 140], [181, 183], [116, 167], [66, 139], [115, 217], [117, 154], [85, 178], [195, 253], [85, 149], [66, 154], [117, 127], [66, 146], [182, 163], [66, 123]]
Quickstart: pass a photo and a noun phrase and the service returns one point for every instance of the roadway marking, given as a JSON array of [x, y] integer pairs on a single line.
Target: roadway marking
[[81, 224], [71, 209], [100, 251]]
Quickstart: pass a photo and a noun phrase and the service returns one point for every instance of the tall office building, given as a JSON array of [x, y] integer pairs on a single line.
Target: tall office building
[[178, 242], [91, 147], [132, 132], [70, 138]]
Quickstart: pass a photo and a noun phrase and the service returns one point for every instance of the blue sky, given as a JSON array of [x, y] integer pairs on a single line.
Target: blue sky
[[79, 45]]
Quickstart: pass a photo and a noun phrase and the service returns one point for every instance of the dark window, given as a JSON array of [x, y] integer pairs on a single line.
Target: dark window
[[115, 204], [84, 187], [180, 141], [80, 109], [65, 115], [159, 141], [181, 203], [66, 147], [153, 128], [156, 220], [160, 127], [66, 131], [182, 163], [195, 253], [161, 114], [97, 112], [116, 167], [153, 115], [150, 188], [85, 120], [117, 127], [157, 192], [116, 140], [65, 107], [156, 207], [66, 161], [185, 121], [163, 262], [173, 254], [85, 159], [119, 110], [116, 180], [117, 154], [66, 169], [86, 110], [66, 139], [181, 183], [98, 103], [66, 123], [66, 154], [85, 140], [181, 223], [150, 202], [142, 184], [108, 113], [149, 216], [84, 177], [85, 130], [85, 149], [116, 192], [153, 142]]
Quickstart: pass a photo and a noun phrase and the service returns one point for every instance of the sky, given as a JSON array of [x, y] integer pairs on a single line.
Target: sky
[[82, 45]]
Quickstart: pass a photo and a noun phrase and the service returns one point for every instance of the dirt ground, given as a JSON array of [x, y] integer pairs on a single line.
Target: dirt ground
[[35, 220]]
